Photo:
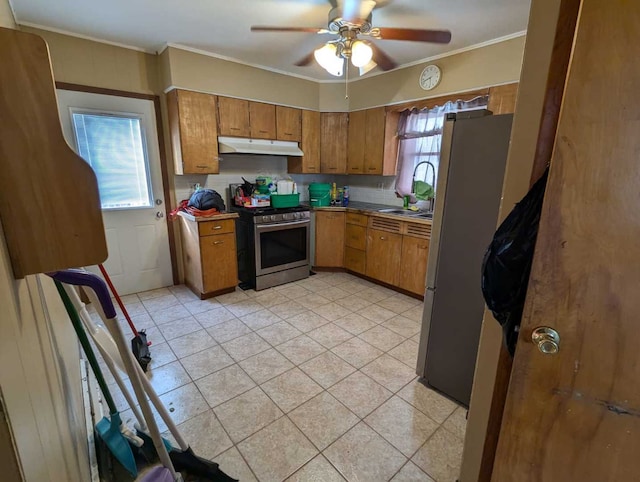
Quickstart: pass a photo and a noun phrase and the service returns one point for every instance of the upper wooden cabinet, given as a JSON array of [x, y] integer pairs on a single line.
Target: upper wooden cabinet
[[233, 117], [262, 120], [356, 141], [288, 123], [333, 142], [194, 132], [310, 145], [372, 142]]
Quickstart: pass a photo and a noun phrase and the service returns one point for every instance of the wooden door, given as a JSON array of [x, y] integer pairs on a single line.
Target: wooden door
[[233, 117], [262, 120], [333, 142], [413, 264], [219, 262], [329, 239], [310, 145], [374, 141], [383, 255], [574, 415], [288, 123], [194, 132], [356, 141]]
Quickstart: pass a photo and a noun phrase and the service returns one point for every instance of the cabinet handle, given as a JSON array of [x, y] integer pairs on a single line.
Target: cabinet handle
[[422, 247], [354, 168], [262, 132], [333, 168], [217, 227], [371, 168], [218, 242], [311, 168], [235, 128], [382, 238], [202, 167], [288, 134]]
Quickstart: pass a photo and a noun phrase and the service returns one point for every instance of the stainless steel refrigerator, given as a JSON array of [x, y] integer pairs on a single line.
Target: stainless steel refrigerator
[[468, 191]]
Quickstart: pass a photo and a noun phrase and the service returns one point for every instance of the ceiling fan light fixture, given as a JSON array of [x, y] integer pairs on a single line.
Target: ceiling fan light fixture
[[361, 53], [328, 59]]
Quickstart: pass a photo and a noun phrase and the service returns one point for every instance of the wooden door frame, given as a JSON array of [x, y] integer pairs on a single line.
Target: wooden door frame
[[554, 90], [164, 167]]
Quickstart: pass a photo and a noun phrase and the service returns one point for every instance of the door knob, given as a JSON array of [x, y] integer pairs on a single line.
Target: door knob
[[547, 339], [158, 202], [159, 215]]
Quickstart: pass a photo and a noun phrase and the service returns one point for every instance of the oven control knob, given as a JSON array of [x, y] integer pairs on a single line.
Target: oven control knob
[[296, 215], [273, 218]]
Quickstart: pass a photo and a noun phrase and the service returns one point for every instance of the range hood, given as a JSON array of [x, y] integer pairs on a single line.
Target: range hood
[[239, 145]]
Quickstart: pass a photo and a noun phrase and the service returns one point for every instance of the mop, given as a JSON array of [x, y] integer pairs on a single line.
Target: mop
[[108, 428], [184, 459]]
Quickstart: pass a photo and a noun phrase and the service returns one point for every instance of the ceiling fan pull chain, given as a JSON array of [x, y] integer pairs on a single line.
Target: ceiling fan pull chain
[[346, 81]]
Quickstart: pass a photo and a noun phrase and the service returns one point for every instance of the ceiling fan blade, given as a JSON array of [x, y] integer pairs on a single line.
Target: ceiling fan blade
[[304, 61], [415, 35], [367, 68], [260, 28], [381, 58], [357, 11]]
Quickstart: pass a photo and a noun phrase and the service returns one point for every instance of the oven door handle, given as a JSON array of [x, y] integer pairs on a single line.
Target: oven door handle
[[265, 227]]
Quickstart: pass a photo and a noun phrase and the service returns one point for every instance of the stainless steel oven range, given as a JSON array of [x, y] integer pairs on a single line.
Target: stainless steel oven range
[[273, 245]]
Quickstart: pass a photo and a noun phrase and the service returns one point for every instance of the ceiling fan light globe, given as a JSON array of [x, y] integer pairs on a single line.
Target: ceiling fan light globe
[[326, 55], [361, 54]]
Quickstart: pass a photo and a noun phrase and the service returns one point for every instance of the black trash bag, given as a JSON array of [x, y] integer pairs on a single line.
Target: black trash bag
[[204, 199], [507, 262]]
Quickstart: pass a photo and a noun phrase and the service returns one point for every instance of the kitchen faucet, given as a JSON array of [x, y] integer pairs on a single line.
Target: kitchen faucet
[[433, 180]]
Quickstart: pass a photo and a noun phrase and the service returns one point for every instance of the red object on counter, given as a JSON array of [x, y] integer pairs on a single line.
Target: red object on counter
[[183, 206]]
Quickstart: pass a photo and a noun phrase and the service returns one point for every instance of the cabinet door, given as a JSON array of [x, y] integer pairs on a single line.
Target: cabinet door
[[383, 255], [262, 120], [413, 264], [219, 262], [374, 141], [194, 132], [288, 124], [333, 142], [329, 239], [233, 116], [356, 142], [310, 145]]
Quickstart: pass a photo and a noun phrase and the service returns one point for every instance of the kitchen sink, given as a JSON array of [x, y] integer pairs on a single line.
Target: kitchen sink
[[406, 212]]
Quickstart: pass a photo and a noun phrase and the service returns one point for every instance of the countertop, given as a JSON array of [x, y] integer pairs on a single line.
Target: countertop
[[215, 217], [371, 209]]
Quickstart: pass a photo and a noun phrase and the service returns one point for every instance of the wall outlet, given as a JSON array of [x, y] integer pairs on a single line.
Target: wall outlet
[[380, 186]]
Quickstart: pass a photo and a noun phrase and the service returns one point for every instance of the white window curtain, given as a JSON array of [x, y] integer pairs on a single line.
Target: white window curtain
[[420, 137]]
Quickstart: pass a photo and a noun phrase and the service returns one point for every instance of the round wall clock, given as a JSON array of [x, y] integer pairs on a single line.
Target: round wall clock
[[430, 77]]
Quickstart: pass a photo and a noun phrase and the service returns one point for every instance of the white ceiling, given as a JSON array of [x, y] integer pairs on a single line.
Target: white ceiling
[[221, 27]]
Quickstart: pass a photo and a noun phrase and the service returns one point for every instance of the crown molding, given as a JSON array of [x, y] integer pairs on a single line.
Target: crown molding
[[84, 37], [243, 62]]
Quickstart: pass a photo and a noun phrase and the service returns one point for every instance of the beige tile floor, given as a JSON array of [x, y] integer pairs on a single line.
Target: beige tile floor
[[309, 381]]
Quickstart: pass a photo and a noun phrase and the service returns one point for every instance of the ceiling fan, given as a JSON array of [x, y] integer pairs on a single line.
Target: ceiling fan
[[350, 20]]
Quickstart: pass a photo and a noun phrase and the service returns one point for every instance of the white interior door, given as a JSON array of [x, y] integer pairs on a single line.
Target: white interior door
[[118, 137]]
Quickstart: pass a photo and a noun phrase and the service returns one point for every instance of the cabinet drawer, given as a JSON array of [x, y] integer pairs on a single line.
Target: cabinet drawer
[[356, 237], [354, 260], [359, 219], [207, 228]]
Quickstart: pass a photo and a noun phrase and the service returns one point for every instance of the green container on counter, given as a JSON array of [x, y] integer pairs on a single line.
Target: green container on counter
[[285, 200], [319, 194]]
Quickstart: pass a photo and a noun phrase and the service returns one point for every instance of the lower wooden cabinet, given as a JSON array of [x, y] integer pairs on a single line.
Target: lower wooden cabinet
[[330, 234], [355, 260], [209, 256], [383, 256], [413, 264]]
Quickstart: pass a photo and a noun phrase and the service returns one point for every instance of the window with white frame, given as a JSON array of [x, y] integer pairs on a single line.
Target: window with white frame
[[114, 146], [420, 139]]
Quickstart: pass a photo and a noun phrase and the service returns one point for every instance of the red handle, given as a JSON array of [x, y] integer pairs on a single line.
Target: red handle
[[120, 303]]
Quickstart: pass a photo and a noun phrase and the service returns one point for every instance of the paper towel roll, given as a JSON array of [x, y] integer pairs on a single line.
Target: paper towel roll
[[285, 187]]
